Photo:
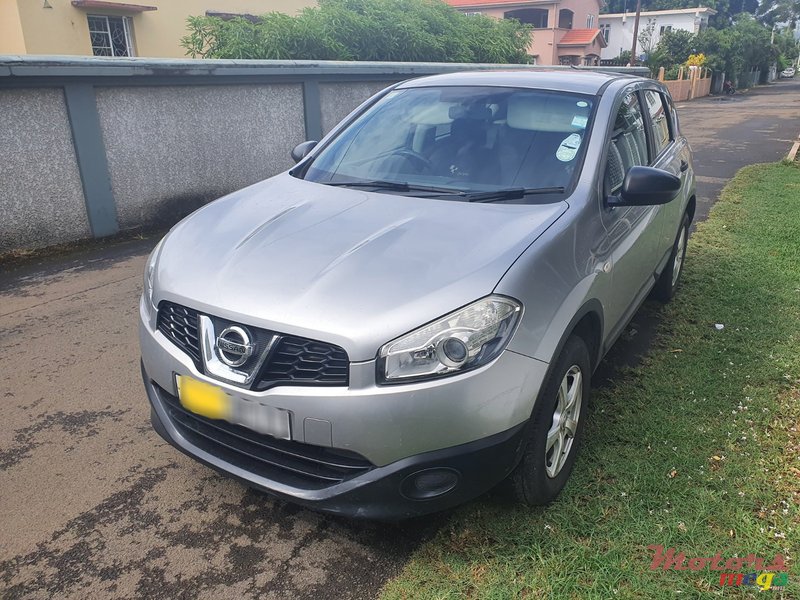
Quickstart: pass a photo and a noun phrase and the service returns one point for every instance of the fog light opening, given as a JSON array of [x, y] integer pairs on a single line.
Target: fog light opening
[[430, 483]]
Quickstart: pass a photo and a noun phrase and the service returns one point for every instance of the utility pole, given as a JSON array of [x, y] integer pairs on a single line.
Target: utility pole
[[635, 32]]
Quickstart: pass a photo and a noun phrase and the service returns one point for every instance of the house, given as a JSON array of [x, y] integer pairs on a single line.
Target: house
[[565, 31], [617, 28], [114, 28]]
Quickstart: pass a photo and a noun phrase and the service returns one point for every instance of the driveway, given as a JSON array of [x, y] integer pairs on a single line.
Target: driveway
[[94, 504]]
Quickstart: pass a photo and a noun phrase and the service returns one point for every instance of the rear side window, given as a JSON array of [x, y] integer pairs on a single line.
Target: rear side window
[[658, 116], [628, 144]]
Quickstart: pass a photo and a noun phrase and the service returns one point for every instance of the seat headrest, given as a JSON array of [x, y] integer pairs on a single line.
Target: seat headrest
[[540, 112]]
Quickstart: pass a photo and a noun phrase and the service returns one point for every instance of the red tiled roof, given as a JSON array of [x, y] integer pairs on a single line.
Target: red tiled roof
[[462, 3], [581, 37]]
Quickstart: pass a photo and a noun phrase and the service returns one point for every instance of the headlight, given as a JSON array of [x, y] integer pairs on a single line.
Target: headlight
[[465, 339], [149, 276]]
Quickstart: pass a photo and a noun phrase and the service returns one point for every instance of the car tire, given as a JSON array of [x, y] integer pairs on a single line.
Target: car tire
[[556, 422], [667, 284]]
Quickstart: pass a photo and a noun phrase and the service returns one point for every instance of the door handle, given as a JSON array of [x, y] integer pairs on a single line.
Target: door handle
[[684, 165]]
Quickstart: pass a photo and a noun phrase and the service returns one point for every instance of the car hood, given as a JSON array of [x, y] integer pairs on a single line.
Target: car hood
[[345, 266]]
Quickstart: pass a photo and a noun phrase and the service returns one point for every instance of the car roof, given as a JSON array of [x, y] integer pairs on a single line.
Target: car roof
[[567, 80]]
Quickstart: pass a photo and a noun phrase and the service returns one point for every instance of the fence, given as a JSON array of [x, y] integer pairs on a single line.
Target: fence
[[692, 82], [91, 146]]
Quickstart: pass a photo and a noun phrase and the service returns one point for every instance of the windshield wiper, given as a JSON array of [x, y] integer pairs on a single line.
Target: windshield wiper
[[399, 186], [511, 194]]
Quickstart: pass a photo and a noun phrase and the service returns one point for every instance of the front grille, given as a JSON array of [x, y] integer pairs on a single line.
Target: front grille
[[301, 361], [291, 463], [179, 324], [291, 361]]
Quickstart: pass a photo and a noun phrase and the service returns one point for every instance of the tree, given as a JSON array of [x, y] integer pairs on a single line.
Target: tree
[[744, 45], [673, 49], [392, 30], [788, 48], [647, 38]]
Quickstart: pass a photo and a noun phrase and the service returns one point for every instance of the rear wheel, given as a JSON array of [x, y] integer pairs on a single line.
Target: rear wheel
[[667, 283], [556, 428]]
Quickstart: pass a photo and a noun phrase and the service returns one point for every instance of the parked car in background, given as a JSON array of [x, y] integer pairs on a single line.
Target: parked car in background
[[788, 73], [412, 314]]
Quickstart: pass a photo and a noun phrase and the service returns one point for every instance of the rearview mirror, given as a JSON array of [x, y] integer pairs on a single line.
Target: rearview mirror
[[646, 186], [302, 150]]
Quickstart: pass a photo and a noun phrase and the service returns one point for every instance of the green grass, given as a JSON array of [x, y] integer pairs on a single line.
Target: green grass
[[698, 448]]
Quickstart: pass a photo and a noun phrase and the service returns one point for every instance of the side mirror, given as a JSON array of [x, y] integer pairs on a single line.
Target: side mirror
[[646, 186], [302, 150]]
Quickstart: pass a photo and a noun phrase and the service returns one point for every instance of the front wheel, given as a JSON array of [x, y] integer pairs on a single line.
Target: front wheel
[[556, 428], [667, 283]]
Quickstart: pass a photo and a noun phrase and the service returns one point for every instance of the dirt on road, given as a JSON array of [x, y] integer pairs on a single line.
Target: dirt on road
[[94, 504]]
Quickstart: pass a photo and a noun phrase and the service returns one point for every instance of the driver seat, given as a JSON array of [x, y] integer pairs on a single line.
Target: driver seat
[[464, 155]]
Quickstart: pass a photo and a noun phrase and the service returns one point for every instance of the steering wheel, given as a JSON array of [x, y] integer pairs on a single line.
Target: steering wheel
[[422, 162]]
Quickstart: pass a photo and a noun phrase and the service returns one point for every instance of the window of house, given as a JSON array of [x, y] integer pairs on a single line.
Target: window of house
[[565, 18], [628, 144], [659, 118], [589, 21], [533, 16], [111, 36], [665, 28], [605, 29]]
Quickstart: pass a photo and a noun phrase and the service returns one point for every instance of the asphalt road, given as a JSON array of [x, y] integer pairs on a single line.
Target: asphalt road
[[94, 504]]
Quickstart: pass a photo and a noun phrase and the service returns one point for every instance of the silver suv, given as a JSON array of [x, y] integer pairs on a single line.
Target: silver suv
[[413, 313]]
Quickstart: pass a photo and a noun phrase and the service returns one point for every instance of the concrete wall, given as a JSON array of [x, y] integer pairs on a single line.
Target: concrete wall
[[171, 149], [694, 84], [11, 38], [339, 99], [92, 146], [41, 196]]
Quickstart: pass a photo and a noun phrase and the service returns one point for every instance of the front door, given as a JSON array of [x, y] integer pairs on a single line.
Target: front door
[[632, 232]]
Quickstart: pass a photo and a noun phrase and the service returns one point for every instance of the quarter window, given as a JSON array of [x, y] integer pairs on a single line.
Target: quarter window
[[628, 144], [110, 36], [659, 118]]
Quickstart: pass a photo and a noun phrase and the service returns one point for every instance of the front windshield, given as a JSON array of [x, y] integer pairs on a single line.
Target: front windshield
[[461, 140]]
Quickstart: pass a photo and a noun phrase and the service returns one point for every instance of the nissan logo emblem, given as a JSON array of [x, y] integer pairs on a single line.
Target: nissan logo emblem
[[234, 346]]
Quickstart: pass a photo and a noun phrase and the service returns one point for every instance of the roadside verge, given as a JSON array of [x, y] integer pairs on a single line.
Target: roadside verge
[[696, 449]]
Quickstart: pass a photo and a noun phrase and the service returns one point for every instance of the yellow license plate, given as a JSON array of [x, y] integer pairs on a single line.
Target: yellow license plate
[[204, 399], [213, 402]]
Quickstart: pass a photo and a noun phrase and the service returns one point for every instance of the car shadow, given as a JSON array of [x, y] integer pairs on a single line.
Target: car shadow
[[632, 346]]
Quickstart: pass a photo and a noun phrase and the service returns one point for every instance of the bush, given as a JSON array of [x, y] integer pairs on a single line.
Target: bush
[[386, 30]]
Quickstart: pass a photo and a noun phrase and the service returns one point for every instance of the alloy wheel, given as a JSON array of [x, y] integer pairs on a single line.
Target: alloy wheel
[[567, 412], [680, 251]]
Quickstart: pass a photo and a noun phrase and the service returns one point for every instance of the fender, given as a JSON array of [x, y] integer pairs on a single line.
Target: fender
[[581, 301], [591, 306]]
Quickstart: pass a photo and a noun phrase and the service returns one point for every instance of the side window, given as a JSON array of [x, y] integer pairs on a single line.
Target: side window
[[628, 144], [659, 118], [673, 114]]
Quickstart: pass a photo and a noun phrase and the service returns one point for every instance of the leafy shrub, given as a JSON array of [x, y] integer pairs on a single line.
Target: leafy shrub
[[385, 30]]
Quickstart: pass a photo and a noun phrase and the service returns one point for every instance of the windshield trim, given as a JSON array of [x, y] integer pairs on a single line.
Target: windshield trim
[[301, 169]]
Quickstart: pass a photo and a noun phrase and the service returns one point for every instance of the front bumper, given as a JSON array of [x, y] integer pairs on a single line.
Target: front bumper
[[376, 492], [469, 423]]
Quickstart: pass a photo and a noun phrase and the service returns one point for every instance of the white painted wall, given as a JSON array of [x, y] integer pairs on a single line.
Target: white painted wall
[[620, 34]]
